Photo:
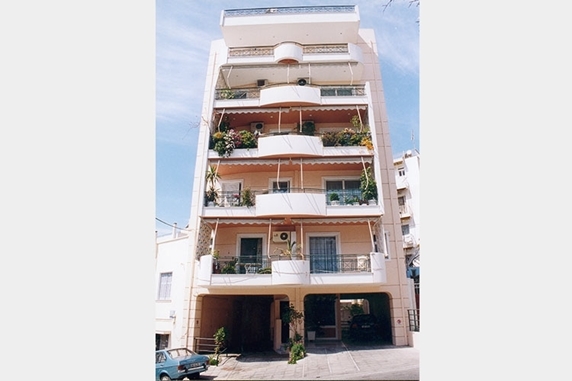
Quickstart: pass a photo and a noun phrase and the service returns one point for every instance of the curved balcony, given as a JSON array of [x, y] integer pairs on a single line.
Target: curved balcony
[[290, 95], [298, 204], [298, 145]]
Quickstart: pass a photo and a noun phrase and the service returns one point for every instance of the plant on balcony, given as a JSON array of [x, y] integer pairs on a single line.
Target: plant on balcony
[[229, 267], [247, 198], [224, 142], [226, 94], [291, 251], [330, 139], [351, 200], [308, 128], [211, 177], [368, 185], [294, 319], [265, 270], [247, 140], [334, 198]]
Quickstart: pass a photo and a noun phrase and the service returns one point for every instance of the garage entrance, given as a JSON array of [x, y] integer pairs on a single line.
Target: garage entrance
[[247, 319], [376, 304]]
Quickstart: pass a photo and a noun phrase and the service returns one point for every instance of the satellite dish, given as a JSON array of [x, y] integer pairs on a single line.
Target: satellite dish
[[301, 82]]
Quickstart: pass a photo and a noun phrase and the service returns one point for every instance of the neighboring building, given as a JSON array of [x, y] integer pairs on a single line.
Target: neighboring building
[[407, 177], [296, 142], [171, 274]]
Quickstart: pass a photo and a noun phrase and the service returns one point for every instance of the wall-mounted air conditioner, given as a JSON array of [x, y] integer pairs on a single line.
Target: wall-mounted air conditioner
[[256, 126], [280, 236]]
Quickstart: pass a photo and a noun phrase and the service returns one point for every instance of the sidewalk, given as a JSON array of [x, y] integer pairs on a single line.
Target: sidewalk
[[327, 361]]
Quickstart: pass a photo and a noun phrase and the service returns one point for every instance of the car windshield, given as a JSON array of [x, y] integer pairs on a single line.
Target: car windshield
[[180, 352]]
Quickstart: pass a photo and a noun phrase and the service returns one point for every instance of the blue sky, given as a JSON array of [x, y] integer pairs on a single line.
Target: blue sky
[[184, 30]]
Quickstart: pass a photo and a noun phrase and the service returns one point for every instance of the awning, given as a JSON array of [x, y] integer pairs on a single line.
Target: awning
[[329, 160], [259, 110]]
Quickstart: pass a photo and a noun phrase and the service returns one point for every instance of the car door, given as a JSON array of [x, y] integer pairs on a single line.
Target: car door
[[160, 363]]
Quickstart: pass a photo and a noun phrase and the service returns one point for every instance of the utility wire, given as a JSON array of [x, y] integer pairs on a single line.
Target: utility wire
[[173, 226]]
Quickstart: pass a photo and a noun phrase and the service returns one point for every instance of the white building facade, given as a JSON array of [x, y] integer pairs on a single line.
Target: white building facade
[[407, 177], [294, 147]]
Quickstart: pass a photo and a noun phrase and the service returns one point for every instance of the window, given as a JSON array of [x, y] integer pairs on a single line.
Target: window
[[347, 190], [231, 192], [401, 200], [323, 255], [401, 171], [165, 286], [280, 186], [251, 255], [405, 229]]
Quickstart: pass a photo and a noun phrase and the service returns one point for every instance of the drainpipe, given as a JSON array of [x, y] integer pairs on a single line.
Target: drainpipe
[[301, 174], [269, 238]]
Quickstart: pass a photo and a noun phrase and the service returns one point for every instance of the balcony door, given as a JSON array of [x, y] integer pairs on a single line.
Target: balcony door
[[250, 256], [323, 254]]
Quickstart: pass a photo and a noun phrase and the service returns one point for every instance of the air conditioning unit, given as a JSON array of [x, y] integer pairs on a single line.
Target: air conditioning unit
[[260, 82], [256, 126], [280, 236]]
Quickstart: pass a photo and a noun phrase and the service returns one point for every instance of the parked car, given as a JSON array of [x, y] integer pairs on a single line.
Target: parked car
[[178, 363], [364, 326]]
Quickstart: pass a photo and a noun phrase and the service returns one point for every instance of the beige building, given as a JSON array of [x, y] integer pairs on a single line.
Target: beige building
[[294, 147]]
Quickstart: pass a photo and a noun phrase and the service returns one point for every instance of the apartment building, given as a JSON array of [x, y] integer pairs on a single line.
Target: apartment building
[[407, 175], [294, 197]]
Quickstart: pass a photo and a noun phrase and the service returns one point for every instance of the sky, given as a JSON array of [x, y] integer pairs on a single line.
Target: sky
[[184, 30]]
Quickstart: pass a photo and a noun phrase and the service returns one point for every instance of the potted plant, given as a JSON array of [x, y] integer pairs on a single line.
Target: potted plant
[[289, 251], [230, 267], [211, 177], [247, 197], [220, 342], [294, 319], [334, 198], [308, 128]]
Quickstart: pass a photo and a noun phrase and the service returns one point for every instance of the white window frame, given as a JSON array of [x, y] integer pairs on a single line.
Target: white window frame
[[165, 288], [264, 237], [271, 182]]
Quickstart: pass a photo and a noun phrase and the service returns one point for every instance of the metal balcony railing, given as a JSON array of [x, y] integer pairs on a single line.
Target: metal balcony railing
[[413, 320], [325, 91], [290, 10], [262, 51], [319, 263]]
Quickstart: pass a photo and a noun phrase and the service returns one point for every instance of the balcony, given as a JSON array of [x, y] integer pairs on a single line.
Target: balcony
[[309, 202], [404, 211], [361, 268], [286, 94], [304, 24], [291, 145]]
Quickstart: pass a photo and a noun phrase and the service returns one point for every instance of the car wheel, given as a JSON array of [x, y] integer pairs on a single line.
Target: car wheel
[[165, 378]]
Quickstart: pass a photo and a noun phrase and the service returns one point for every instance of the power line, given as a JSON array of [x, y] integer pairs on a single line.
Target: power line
[[173, 226]]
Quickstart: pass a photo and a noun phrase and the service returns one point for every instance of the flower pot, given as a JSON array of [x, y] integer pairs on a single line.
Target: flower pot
[[311, 335]]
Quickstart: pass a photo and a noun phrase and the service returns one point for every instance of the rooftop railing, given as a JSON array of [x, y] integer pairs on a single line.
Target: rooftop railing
[[290, 10]]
